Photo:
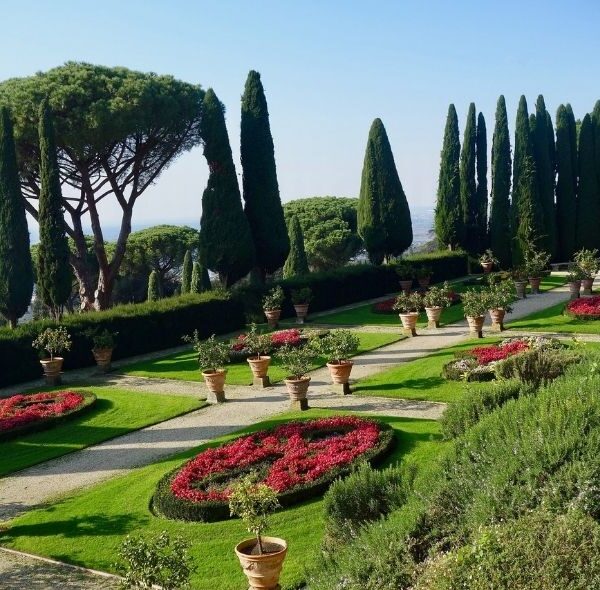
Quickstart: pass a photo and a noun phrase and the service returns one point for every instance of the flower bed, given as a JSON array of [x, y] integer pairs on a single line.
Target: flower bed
[[585, 308], [387, 306], [28, 413], [298, 459]]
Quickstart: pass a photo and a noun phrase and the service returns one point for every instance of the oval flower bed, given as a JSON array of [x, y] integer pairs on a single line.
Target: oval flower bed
[[298, 459], [27, 413], [585, 308]]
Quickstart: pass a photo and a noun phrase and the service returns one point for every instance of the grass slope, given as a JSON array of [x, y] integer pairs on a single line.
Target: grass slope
[[115, 412], [184, 366], [87, 528], [552, 319]]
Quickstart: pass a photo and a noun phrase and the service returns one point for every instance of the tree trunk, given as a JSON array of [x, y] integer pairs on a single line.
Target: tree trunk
[[12, 321]]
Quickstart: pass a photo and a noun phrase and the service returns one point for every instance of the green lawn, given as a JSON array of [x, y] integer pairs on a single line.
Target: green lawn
[[115, 412], [184, 366], [552, 319], [87, 528]]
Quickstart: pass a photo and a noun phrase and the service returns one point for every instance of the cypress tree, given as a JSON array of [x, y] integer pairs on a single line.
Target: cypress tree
[[205, 284], [596, 127], [573, 138], [16, 269], [449, 226], [468, 187], [566, 199], [482, 184], [500, 242], [186, 273], [153, 287], [54, 278], [225, 239], [196, 281], [588, 198], [383, 215], [261, 189], [296, 263]]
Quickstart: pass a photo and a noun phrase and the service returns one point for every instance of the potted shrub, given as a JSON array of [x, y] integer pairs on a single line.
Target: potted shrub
[[424, 276], [487, 261], [520, 280], [213, 355], [435, 300], [301, 299], [272, 303], [409, 306], [406, 274], [475, 307], [499, 297], [259, 346], [574, 277], [54, 341], [103, 344], [261, 557], [338, 346], [536, 263], [297, 361], [588, 263]]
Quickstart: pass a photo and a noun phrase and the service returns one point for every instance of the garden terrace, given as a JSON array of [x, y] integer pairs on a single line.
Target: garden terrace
[[555, 320]]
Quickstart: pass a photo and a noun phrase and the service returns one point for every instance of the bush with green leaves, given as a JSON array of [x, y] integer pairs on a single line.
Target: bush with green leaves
[[438, 296], [302, 296], [499, 295], [54, 341], [535, 262], [102, 339], [405, 270], [409, 303], [255, 343], [297, 360], [273, 299], [338, 345], [587, 262], [212, 354], [487, 257], [474, 303]]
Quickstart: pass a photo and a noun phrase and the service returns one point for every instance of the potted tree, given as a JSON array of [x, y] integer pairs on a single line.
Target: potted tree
[[259, 346], [272, 303], [520, 280], [338, 346], [574, 278], [588, 263], [536, 263], [406, 274], [475, 308], [424, 276], [499, 297], [487, 261], [54, 341], [409, 307], [297, 361], [103, 344], [213, 355], [435, 300], [261, 557], [301, 299]]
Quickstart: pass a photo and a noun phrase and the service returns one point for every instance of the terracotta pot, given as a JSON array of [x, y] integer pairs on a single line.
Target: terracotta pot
[[259, 366], [297, 390], [424, 282], [52, 370], [340, 372], [301, 312], [487, 267], [521, 287], [574, 289], [103, 358], [262, 571], [476, 325], [406, 285], [433, 316], [272, 316], [534, 283], [497, 316], [409, 322], [215, 382], [587, 285]]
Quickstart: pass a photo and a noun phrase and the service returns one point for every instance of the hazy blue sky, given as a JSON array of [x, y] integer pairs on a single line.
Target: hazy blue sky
[[329, 68]]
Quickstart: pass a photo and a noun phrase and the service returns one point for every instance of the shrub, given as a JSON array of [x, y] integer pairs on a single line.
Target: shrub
[[438, 296], [53, 340], [588, 262], [338, 345], [212, 353], [411, 303], [273, 299], [301, 296], [297, 360]]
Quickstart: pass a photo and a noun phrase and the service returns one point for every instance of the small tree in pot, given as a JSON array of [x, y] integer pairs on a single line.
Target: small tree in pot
[[588, 263], [272, 303], [475, 307], [213, 355], [487, 261], [301, 299], [536, 263], [574, 279], [434, 301], [406, 274], [103, 344], [499, 297], [261, 557], [338, 346], [297, 361], [259, 346], [424, 276], [520, 280], [54, 341], [409, 306]]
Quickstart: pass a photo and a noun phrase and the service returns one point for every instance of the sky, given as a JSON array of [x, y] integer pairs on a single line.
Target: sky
[[328, 68]]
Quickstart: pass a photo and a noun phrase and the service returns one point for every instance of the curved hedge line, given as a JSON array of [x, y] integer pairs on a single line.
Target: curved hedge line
[[164, 503]]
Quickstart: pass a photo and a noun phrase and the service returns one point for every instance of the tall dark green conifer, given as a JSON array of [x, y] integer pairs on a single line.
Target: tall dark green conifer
[[54, 277], [566, 198], [573, 138], [482, 183], [225, 240], [596, 126], [296, 263], [468, 186], [588, 197], [196, 280], [153, 287], [16, 270], [261, 189], [383, 215], [500, 241], [186, 274], [449, 226]]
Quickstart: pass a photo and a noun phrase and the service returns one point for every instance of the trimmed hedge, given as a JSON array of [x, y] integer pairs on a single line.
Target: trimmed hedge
[[142, 328]]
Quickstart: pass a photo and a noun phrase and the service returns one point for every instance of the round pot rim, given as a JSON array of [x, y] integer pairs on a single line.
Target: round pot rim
[[109, 349], [53, 360], [436, 307], [217, 372], [290, 379], [272, 310], [342, 363], [409, 313], [255, 359], [251, 542], [475, 317]]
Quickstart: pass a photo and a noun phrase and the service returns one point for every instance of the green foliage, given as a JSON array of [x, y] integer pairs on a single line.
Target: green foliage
[[338, 345], [54, 277], [482, 184], [468, 188], [153, 287], [257, 343], [302, 296], [500, 241], [405, 270], [498, 295], [212, 354], [196, 278], [297, 360], [225, 239], [383, 215], [186, 273], [102, 339], [474, 303], [54, 341], [261, 190], [16, 269], [535, 262], [588, 197], [273, 299], [449, 226], [296, 263], [438, 296], [587, 262], [596, 125], [409, 303]]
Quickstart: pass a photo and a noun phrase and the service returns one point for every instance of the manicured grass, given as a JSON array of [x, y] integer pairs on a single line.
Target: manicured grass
[[552, 319], [87, 528], [184, 366], [115, 412]]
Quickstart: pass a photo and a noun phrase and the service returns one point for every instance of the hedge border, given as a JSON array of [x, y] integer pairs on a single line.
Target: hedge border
[[166, 505]]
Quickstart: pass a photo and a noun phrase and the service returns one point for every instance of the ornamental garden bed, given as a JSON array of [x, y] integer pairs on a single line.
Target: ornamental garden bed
[[584, 308], [387, 306], [298, 459], [20, 414]]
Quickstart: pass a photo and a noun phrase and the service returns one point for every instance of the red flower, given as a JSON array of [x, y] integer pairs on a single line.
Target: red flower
[[585, 306], [289, 337], [488, 354]]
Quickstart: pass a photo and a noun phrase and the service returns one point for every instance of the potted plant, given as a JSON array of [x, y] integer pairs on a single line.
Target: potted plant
[[475, 307], [499, 297], [520, 280], [259, 346], [536, 263], [435, 300], [301, 299], [424, 276], [54, 341], [409, 306], [272, 303], [588, 263], [213, 355], [406, 274], [103, 344], [574, 278], [261, 557], [338, 346], [487, 261], [297, 361]]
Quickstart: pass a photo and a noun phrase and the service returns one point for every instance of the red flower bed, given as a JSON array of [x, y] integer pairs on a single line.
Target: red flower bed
[[278, 339], [587, 308], [488, 354]]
